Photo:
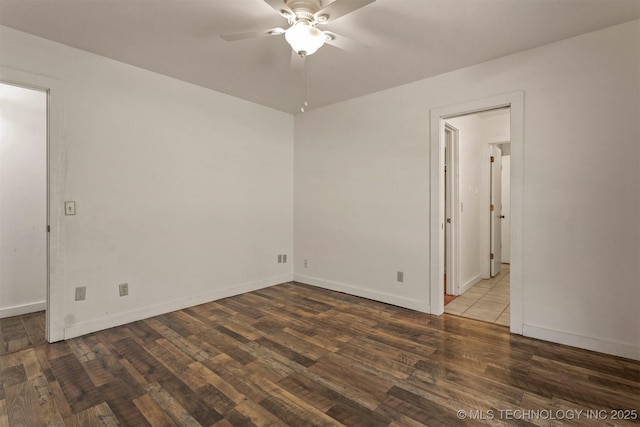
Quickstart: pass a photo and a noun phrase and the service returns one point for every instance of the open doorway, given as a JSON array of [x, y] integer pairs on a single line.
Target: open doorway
[[478, 285], [23, 217], [473, 210]]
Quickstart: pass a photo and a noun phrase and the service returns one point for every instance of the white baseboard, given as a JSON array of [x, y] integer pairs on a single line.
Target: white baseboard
[[587, 343], [146, 312], [365, 293], [469, 284], [17, 310]]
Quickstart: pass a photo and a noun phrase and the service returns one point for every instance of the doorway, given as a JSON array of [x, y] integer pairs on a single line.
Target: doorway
[[514, 101], [23, 214], [55, 172], [476, 211]]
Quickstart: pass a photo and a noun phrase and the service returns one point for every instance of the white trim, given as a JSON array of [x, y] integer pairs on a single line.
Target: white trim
[[514, 100], [56, 167], [602, 346], [364, 293], [469, 284], [17, 310], [146, 312], [453, 248]]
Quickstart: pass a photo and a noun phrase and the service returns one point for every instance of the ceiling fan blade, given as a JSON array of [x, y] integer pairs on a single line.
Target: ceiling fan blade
[[281, 7], [297, 61], [252, 34], [342, 42], [339, 8]]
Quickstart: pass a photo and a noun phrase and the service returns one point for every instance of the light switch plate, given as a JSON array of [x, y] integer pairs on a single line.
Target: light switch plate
[[69, 208]]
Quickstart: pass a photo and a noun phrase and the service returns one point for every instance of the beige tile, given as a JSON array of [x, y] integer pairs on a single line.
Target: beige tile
[[502, 299], [508, 309], [499, 291], [467, 299], [489, 305], [484, 285], [482, 314], [496, 298], [456, 307], [503, 319], [476, 292]]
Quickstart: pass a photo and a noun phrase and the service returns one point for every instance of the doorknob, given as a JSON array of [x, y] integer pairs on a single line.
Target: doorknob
[[448, 220], [502, 216]]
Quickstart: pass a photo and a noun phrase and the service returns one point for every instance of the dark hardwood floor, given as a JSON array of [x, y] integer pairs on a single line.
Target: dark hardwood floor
[[301, 356], [20, 332]]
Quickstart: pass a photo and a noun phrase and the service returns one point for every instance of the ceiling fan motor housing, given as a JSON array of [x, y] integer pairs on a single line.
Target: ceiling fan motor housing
[[304, 9]]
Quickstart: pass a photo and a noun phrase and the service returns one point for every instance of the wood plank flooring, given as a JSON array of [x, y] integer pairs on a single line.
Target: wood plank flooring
[[20, 332], [295, 355]]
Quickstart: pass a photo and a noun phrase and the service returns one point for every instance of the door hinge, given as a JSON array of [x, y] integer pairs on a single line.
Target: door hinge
[[491, 256], [493, 159], [492, 208], [48, 229]]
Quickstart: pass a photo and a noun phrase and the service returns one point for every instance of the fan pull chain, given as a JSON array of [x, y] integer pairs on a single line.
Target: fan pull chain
[[304, 85]]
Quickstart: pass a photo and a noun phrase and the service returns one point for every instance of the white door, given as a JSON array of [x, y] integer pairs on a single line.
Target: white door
[[496, 210]]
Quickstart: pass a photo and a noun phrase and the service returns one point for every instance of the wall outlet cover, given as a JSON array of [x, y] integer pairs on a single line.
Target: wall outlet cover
[[124, 289]]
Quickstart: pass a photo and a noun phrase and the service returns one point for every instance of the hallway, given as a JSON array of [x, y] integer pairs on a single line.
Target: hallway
[[487, 300]]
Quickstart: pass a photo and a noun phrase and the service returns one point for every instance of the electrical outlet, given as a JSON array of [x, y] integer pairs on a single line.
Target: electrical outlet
[[124, 289], [81, 293], [284, 258], [400, 276], [279, 259]]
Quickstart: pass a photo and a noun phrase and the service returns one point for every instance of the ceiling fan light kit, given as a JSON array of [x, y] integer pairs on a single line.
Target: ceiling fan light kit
[[304, 39]]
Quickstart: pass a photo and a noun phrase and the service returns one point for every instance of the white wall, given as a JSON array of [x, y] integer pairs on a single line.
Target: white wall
[[182, 192], [495, 126], [23, 200], [470, 212], [362, 187]]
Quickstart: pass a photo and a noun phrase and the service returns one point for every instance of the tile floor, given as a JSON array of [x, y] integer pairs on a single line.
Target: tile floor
[[487, 300]]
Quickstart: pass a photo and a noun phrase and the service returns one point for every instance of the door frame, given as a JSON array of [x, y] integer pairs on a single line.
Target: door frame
[[494, 265], [514, 100], [56, 155], [453, 201]]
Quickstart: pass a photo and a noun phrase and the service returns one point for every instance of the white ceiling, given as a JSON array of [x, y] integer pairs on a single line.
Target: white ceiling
[[408, 40]]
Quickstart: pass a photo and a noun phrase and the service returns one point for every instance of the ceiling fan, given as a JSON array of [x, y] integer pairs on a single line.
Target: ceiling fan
[[303, 16]]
